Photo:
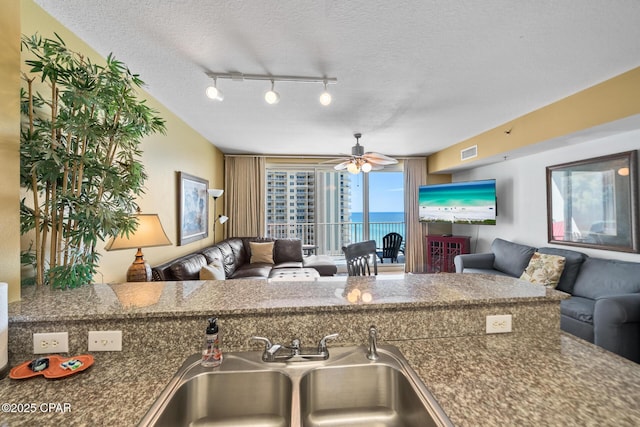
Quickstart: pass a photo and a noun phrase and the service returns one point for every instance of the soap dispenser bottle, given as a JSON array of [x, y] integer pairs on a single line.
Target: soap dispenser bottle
[[211, 353]]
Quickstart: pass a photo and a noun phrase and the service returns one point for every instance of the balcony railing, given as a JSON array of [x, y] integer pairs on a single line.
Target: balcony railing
[[329, 238]]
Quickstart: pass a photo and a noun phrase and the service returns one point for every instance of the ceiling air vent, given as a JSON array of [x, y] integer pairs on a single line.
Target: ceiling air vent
[[469, 153]]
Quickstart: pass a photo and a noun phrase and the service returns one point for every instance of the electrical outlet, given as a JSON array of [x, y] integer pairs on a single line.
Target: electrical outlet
[[52, 342], [499, 324], [105, 340]]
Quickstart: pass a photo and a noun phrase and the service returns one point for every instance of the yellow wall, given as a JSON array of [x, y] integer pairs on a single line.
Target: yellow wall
[[181, 149], [613, 99], [10, 146]]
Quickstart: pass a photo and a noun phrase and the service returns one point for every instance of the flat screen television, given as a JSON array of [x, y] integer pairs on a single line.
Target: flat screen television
[[468, 202]]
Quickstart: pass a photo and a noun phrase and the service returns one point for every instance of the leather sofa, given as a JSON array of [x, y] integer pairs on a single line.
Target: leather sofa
[[604, 307], [235, 256]]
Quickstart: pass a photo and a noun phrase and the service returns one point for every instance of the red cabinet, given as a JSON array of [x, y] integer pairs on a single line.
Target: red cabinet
[[442, 249]]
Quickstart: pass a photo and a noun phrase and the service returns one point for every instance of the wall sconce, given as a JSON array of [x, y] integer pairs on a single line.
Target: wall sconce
[[148, 234], [271, 96]]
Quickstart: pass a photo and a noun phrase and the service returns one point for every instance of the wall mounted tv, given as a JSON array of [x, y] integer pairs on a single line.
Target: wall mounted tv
[[468, 202]]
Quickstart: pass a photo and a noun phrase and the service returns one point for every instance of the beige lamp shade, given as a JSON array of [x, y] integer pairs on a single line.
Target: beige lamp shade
[[148, 234]]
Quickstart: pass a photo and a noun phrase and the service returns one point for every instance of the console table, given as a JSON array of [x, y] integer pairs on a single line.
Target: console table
[[442, 249]]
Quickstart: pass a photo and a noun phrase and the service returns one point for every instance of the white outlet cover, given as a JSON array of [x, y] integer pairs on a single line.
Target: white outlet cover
[[105, 341], [498, 324], [50, 342]]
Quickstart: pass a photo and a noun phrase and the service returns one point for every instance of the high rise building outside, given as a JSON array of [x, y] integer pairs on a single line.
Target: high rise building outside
[[312, 205]]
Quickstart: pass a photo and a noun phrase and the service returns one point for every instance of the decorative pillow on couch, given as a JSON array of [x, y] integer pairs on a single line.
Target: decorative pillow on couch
[[213, 271], [544, 269], [261, 252]]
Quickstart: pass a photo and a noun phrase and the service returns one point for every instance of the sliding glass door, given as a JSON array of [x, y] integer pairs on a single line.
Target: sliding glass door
[[328, 209]]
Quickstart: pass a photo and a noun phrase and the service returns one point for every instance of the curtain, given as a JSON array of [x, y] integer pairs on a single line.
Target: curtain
[[415, 175], [245, 195]]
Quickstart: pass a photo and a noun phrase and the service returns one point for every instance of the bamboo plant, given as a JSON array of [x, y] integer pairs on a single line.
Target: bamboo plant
[[82, 127]]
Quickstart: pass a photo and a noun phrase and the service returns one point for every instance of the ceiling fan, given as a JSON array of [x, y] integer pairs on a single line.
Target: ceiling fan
[[361, 161]]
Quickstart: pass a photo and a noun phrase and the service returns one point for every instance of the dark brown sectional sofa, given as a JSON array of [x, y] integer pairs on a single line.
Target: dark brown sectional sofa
[[235, 255]]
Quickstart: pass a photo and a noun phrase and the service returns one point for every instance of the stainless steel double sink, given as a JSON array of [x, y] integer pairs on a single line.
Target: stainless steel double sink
[[345, 390]]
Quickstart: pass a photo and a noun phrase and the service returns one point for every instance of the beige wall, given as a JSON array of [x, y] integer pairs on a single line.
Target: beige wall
[[181, 149], [10, 146], [613, 99]]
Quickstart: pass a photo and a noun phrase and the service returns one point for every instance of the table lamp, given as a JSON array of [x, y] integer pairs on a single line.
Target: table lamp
[[148, 234]]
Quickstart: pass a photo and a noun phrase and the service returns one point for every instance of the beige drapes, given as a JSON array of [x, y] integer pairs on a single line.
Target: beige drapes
[[415, 175], [245, 195]]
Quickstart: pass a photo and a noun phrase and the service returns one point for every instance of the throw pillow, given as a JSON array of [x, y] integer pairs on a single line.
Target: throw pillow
[[213, 271], [261, 252], [544, 269]]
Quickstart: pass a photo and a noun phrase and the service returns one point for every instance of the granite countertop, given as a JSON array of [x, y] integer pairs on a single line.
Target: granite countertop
[[508, 379], [162, 299], [478, 381]]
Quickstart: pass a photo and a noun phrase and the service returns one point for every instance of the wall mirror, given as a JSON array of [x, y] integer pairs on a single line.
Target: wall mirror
[[594, 203]]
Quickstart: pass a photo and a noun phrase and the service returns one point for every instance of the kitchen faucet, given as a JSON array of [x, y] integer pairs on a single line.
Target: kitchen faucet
[[294, 352]]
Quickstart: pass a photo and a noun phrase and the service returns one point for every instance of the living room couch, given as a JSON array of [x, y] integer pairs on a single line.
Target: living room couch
[[234, 255], [604, 307]]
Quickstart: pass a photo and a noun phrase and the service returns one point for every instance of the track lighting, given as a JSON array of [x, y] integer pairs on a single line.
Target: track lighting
[[214, 93], [271, 96], [325, 97]]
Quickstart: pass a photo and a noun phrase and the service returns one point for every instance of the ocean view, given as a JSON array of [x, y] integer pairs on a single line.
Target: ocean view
[[380, 223]]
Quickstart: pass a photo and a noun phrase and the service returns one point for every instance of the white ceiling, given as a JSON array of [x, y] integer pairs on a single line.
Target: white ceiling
[[413, 76]]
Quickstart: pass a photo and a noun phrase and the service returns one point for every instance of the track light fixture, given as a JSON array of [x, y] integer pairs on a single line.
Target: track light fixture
[[214, 93], [325, 97], [271, 96]]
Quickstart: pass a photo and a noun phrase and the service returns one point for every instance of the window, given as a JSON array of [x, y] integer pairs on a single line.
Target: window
[[330, 205]]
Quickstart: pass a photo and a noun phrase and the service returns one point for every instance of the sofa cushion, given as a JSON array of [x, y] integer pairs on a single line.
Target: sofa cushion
[[253, 271], [604, 277], [578, 308], [511, 258], [212, 254], [573, 261], [261, 252], [188, 268], [322, 263], [239, 251], [290, 264], [213, 271], [228, 259], [287, 250], [544, 269]]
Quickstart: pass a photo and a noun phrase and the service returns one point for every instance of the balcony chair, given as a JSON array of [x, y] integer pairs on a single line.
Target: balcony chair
[[391, 244], [359, 256]]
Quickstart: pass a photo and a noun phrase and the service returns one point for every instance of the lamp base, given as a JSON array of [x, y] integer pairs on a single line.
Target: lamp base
[[140, 270]]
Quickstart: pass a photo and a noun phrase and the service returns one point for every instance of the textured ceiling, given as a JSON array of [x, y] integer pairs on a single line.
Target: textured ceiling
[[413, 76]]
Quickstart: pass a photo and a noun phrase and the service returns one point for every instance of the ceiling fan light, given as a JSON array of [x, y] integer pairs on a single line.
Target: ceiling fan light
[[353, 168], [366, 167], [214, 93], [272, 97]]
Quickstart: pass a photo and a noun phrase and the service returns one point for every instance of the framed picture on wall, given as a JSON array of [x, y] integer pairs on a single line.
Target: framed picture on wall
[[193, 209], [593, 203]]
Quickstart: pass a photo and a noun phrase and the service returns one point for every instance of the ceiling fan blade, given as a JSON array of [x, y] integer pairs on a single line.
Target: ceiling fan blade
[[379, 158], [342, 166], [336, 160]]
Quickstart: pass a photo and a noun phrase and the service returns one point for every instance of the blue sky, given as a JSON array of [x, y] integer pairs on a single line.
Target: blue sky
[[386, 189]]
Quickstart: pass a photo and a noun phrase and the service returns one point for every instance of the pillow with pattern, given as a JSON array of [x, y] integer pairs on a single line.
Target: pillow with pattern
[[544, 269]]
